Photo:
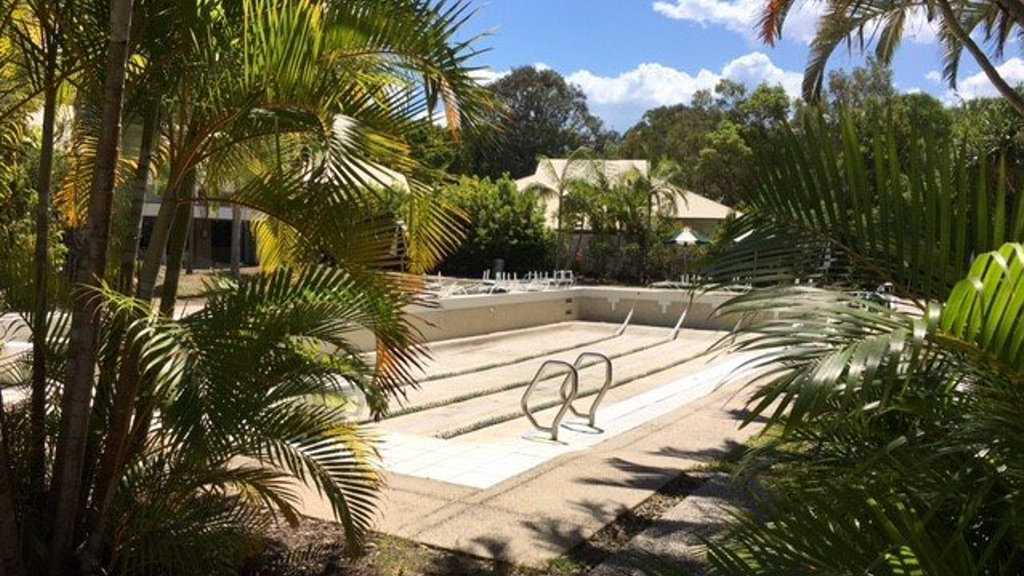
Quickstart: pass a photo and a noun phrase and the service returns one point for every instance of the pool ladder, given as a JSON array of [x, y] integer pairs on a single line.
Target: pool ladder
[[568, 391]]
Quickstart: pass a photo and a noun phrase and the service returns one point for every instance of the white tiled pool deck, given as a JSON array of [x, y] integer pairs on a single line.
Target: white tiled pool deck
[[482, 465]]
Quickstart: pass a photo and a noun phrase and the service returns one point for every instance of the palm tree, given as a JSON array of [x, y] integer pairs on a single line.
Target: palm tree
[[559, 178], [44, 57], [660, 190], [897, 452], [232, 433], [307, 104], [885, 23], [70, 451]]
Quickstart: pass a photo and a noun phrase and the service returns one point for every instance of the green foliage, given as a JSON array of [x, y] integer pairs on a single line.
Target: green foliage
[[241, 427], [882, 25], [833, 212], [898, 450], [198, 430], [625, 223], [501, 222], [868, 96], [544, 116], [711, 139], [899, 447], [724, 164], [987, 128], [19, 156]]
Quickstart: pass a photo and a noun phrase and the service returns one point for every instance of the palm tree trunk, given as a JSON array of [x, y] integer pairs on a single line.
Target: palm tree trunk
[[558, 231], [236, 241], [120, 441], [10, 540], [140, 185], [70, 451], [645, 247], [37, 410], [115, 446], [579, 242], [1007, 91], [180, 232], [157, 245]]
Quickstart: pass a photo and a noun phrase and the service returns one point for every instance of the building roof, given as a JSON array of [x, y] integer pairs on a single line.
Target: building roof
[[693, 206], [690, 206], [548, 170]]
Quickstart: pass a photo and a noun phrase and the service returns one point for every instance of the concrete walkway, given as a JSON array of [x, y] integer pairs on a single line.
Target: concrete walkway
[[674, 544]]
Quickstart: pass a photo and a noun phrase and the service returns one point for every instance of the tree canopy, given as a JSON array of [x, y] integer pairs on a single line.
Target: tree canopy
[[544, 116]]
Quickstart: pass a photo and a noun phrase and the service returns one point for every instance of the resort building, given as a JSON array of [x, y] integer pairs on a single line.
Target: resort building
[[209, 243], [692, 211]]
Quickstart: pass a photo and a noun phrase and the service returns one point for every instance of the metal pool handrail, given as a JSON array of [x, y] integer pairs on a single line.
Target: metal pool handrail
[[591, 413], [568, 391]]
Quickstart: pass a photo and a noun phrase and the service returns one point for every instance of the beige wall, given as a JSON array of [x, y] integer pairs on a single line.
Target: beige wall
[[462, 316], [652, 307]]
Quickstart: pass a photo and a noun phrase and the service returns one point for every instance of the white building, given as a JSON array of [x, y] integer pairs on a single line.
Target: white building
[[693, 211]]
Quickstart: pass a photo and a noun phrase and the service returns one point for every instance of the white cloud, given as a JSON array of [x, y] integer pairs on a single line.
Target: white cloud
[[655, 84], [934, 76], [914, 90], [979, 86], [488, 75], [741, 16], [621, 99], [754, 68]]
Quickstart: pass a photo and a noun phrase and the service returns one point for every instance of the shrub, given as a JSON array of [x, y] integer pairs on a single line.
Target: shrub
[[502, 222]]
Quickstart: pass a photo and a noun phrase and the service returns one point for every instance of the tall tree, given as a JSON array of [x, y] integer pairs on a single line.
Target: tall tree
[[274, 132], [46, 57], [710, 140], [661, 191], [76, 408], [544, 116], [673, 132], [306, 105]]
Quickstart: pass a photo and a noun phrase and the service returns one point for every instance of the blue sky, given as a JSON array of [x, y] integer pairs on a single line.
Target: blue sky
[[632, 55]]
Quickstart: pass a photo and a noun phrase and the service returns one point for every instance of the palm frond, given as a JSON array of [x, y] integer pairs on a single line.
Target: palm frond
[[861, 217]]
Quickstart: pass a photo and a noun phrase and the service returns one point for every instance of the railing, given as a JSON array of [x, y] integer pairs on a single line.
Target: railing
[[568, 390], [591, 413], [502, 283]]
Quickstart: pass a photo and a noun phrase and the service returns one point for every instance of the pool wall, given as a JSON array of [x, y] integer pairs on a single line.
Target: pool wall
[[464, 316]]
